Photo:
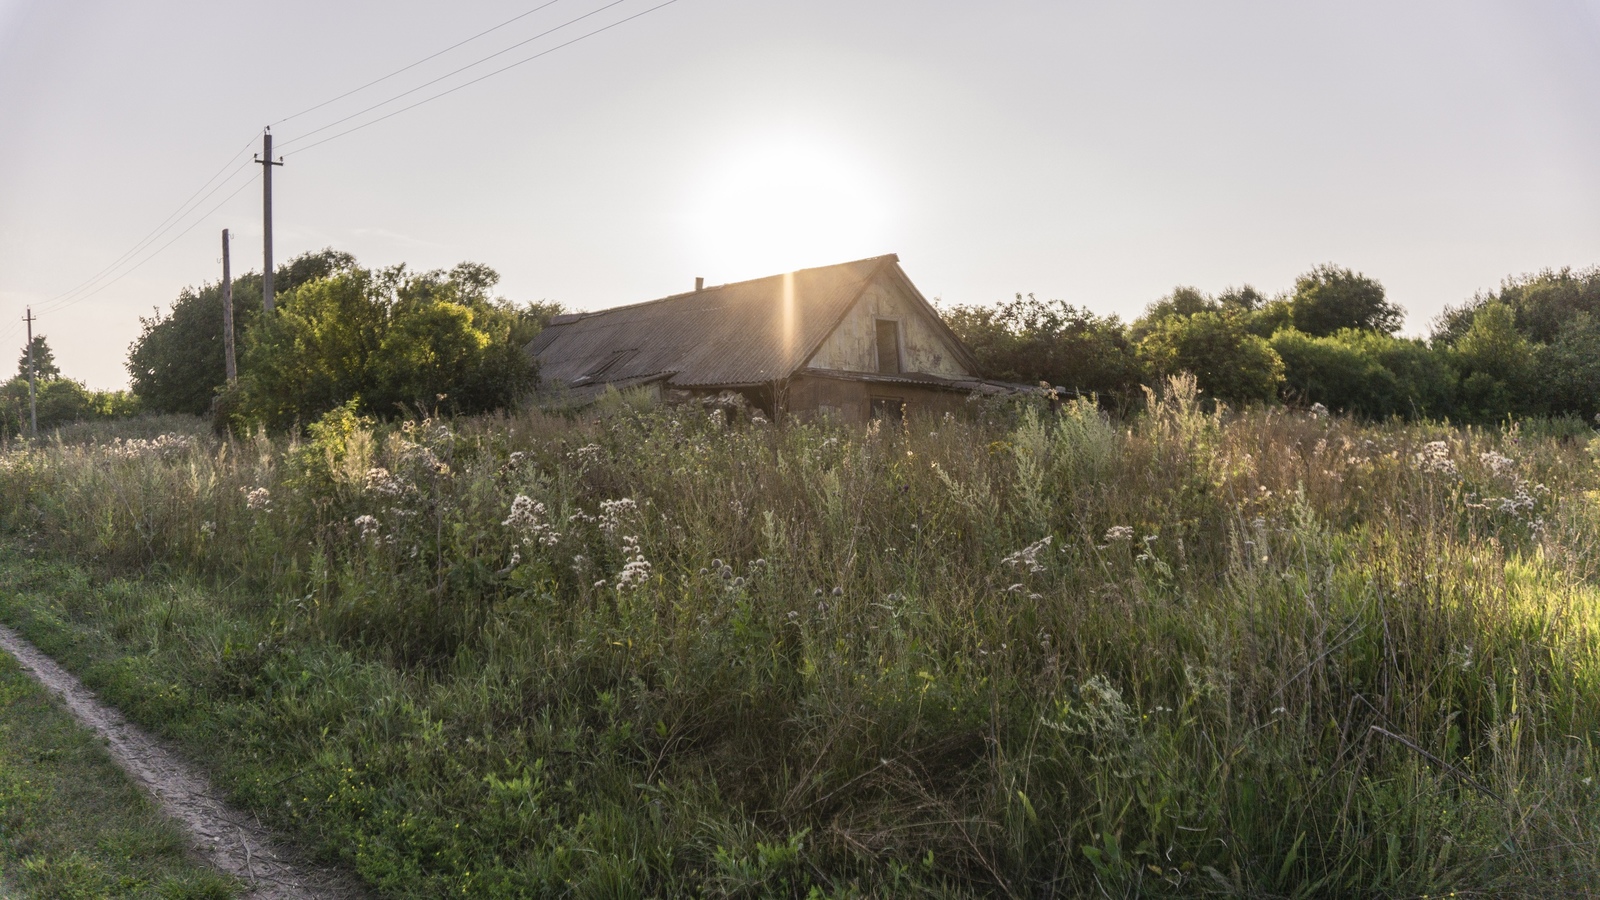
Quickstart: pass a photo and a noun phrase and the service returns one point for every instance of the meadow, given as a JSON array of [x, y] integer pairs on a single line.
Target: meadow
[[1033, 651]]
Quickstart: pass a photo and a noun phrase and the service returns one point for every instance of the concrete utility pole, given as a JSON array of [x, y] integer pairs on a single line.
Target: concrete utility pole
[[227, 312], [33, 406], [266, 161]]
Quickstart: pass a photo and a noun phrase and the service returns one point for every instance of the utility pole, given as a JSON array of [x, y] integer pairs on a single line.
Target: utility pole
[[227, 312], [33, 406], [266, 161]]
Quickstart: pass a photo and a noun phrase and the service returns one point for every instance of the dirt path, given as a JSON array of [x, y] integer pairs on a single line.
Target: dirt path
[[230, 840]]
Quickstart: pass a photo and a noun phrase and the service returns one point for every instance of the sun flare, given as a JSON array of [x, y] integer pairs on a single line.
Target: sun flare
[[784, 205]]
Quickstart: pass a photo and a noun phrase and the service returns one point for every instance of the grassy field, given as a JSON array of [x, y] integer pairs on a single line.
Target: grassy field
[[71, 824], [653, 653]]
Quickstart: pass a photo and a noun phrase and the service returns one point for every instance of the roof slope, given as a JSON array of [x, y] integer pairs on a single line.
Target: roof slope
[[727, 335]]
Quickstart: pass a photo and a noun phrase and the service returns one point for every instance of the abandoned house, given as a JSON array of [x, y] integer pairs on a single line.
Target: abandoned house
[[853, 341]]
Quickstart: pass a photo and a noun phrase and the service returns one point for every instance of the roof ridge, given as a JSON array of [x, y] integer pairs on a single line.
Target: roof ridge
[[717, 287]]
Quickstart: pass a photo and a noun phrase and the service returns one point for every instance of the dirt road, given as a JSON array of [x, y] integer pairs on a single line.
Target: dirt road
[[230, 840]]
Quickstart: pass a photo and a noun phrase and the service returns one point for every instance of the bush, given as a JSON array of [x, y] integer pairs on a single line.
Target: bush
[[1365, 373], [176, 364], [1230, 363], [392, 341], [1029, 340]]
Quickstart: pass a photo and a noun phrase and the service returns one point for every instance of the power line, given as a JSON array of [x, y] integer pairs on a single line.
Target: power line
[[69, 297], [467, 83], [419, 62], [192, 225], [160, 228], [470, 65]]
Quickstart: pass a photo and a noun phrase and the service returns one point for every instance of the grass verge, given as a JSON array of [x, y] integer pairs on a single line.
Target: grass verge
[[72, 825]]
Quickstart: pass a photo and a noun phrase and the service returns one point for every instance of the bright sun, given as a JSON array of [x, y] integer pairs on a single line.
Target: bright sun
[[784, 205]]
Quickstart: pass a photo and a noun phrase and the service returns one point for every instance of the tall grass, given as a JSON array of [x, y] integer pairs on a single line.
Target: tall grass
[[650, 652]]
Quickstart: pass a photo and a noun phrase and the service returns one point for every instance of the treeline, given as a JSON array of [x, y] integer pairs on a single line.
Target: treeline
[[385, 340], [58, 400], [1532, 348]]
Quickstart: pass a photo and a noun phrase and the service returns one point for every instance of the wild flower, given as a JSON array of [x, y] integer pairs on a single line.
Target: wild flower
[[587, 454], [257, 499], [369, 527], [160, 445], [1318, 411], [614, 512], [1028, 557], [380, 481], [637, 569], [1118, 533], [529, 519], [1498, 465], [208, 529], [1435, 457]]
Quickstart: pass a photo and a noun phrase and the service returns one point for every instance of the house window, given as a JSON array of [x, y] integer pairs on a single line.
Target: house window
[[892, 409], [888, 347]]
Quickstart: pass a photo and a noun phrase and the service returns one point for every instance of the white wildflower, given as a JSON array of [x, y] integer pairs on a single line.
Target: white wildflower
[[614, 512], [379, 481], [369, 527], [1318, 411], [636, 571], [1435, 457], [1028, 557], [529, 519], [1497, 464], [258, 499], [1118, 533]]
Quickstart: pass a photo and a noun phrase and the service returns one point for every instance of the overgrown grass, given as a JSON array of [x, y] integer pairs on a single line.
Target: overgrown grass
[[1259, 654], [71, 824]]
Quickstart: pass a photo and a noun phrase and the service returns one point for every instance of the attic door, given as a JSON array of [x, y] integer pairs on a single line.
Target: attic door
[[888, 346]]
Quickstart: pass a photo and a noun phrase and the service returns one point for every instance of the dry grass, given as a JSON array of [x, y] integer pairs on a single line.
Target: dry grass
[[1034, 653]]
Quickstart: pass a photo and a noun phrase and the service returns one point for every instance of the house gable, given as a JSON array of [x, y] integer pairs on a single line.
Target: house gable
[[926, 344]]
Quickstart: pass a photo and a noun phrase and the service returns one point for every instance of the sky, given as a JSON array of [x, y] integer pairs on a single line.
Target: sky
[[1092, 152]]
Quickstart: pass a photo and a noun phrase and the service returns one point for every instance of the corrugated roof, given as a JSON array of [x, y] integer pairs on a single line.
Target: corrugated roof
[[732, 334]]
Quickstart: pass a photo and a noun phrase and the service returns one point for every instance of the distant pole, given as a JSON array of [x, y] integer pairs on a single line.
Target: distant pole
[[33, 406], [227, 312], [266, 161]]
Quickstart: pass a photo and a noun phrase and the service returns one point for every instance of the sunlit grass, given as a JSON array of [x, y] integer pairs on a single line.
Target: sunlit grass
[[650, 652]]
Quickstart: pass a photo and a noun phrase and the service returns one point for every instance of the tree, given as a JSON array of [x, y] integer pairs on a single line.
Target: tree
[[1031, 340], [1329, 298], [1229, 362], [390, 341], [1365, 373], [1569, 369], [44, 361], [176, 365], [1496, 365], [1541, 304]]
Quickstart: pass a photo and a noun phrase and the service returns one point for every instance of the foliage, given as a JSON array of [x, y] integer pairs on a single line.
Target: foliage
[[1331, 298], [390, 341], [1029, 340], [176, 364], [1231, 364], [1365, 373], [646, 653], [1543, 304], [1497, 365], [59, 401], [44, 360]]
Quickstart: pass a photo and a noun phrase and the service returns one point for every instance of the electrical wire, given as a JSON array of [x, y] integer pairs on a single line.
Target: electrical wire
[[161, 228], [468, 83], [192, 225], [419, 62], [458, 71]]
